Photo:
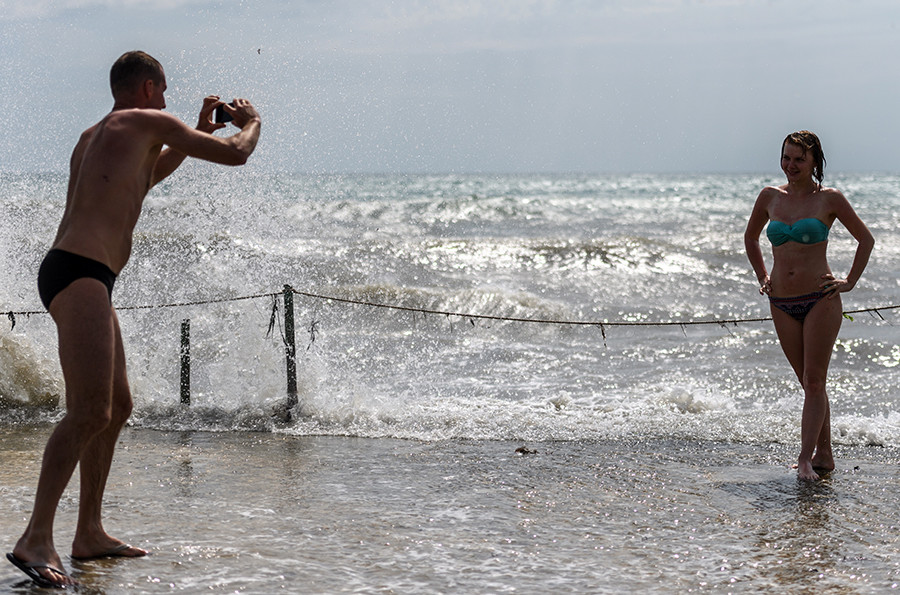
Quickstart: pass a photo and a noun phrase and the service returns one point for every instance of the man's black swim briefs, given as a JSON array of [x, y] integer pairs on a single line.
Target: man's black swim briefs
[[60, 269]]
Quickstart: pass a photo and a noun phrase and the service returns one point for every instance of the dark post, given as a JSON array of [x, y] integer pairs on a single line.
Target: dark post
[[290, 349], [186, 362]]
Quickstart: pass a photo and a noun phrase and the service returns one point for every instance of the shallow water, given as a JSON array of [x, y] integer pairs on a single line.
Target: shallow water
[[663, 452], [257, 513]]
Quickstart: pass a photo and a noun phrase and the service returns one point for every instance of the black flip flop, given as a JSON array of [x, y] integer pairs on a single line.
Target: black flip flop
[[31, 571]]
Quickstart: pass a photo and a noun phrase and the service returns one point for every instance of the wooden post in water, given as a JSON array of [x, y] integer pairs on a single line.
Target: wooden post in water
[[290, 349], [186, 362]]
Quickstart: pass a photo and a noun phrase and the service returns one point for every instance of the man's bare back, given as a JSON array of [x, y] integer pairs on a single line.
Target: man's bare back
[[111, 171], [110, 176]]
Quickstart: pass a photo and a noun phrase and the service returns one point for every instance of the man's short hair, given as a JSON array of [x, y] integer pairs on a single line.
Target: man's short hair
[[132, 69]]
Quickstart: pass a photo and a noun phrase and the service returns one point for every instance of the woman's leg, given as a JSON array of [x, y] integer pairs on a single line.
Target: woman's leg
[[790, 337], [820, 330], [808, 346]]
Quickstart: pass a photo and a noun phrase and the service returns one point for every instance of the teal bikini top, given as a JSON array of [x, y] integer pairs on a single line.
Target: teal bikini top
[[804, 231]]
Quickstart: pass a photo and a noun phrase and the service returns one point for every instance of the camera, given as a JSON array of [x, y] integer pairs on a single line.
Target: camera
[[222, 116]]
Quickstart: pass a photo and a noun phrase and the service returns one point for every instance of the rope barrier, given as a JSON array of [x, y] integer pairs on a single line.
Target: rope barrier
[[11, 315], [285, 411], [531, 320], [199, 302], [722, 322]]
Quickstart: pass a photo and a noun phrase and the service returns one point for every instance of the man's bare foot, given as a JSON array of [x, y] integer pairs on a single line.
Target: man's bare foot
[[45, 570], [806, 472], [105, 548]]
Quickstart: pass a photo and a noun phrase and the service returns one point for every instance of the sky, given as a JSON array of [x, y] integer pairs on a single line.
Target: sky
[[476, 86]]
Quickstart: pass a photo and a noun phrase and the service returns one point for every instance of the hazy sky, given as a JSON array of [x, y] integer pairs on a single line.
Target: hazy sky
[[476, 86]]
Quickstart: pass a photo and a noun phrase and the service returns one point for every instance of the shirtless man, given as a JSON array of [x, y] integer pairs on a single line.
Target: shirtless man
[[114, 164]]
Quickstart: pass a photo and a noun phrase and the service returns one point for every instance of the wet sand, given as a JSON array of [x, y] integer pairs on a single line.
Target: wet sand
[[260, 513]]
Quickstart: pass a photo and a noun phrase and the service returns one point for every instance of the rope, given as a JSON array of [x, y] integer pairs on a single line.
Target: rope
[[11, 315], [722, 322], [514, 319], [199, 302]]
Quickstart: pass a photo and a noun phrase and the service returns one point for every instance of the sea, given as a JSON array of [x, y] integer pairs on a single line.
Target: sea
[[504, 384]]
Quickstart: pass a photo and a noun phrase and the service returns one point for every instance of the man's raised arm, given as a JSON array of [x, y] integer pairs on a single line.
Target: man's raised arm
[[183, 141]]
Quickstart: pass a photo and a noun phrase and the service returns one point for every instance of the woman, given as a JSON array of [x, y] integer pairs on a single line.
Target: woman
[[804, 294]]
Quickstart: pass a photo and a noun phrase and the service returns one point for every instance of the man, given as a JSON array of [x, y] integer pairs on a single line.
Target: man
[[113, 165]]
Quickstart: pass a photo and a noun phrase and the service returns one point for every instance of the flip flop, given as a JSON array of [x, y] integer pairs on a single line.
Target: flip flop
[[116, 552], [31, 571]]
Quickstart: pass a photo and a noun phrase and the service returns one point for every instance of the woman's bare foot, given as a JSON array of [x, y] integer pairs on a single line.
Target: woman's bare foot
[[823, 463], [806, 472]]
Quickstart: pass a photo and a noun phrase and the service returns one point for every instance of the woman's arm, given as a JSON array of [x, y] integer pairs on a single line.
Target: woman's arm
[[865, 242], [758, 218]]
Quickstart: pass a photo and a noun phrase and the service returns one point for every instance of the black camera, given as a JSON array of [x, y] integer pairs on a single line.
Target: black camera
[[222, 116]]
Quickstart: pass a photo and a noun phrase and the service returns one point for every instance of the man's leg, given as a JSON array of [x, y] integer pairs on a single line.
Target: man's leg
[[91, 540], [86, 328]]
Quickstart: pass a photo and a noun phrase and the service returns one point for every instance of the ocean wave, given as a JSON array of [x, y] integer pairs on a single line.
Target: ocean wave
[[613, 249], [26, 378]]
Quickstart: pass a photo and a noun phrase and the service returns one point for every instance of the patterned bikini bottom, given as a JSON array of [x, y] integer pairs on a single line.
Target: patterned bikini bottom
[[798, 306]]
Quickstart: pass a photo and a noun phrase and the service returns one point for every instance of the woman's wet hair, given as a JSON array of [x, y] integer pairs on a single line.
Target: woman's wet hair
[[811, 144]]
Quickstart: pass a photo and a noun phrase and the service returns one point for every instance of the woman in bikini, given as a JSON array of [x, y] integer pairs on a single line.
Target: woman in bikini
[[804, 294]]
